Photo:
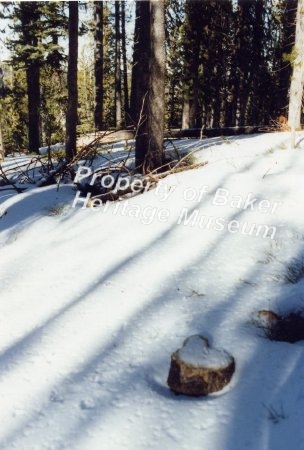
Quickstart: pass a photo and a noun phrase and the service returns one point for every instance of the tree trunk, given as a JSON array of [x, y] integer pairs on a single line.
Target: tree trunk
[[29, 16], [141, 54], [98, 112], [34, 103], [190, 101], [149, 142], [124, 62], [118, 115], [71, 114], [297, 81], [285, 48], [1, 136], [1, 143], [191, 64], [258, 71]]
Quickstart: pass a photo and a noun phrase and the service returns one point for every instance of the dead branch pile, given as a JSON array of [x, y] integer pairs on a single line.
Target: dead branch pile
[[54, 170]]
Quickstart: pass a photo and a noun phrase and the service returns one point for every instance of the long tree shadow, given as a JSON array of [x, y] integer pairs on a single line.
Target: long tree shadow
[[212, 320], [241, 415], [31, 338], [102, 356], [154, 304]]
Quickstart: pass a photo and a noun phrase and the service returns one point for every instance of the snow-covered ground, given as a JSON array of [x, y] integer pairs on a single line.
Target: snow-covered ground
[[93, 303]]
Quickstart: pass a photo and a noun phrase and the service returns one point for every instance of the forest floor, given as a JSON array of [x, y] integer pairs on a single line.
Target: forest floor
[[93, 303]]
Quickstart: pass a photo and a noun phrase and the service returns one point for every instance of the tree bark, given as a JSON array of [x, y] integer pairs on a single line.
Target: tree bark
[[149, 142], [98, 68], [29, 15], [34, 103], [1, 135], [190, 101], [297, 81], [71, 114], [124, 63], [191, 65], [244, 46], [118, 113], [284, 69], [1, 143], [141, 55]]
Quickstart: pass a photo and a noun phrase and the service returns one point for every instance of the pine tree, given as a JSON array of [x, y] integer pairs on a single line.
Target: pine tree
[[141, 55], [149, 141], [71, 114], [14, 110], [192, 43], [29, 17], [99, 65], [118, 105], [260, 82], [286, 28], [1, 142], [174, 54], [124, 63], [216, 62], [297, 81], [86, 88], [1, 94], [37, 26]]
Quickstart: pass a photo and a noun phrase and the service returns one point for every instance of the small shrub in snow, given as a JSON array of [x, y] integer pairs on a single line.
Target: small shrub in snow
[[269, 258], [294, 271], [189, 160], [274, 414], [56, 210]]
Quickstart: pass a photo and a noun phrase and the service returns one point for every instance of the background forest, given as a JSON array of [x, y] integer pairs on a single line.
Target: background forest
[[228, 63]]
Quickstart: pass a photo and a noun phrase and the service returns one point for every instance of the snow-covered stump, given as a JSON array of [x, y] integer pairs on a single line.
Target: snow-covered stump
[[198, 369]]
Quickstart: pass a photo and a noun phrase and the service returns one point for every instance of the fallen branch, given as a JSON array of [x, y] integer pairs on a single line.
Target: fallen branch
[[9, 182], [150, 179]]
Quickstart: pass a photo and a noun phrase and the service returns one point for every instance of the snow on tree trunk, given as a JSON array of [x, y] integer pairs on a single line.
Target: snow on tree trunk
[[297, 81]]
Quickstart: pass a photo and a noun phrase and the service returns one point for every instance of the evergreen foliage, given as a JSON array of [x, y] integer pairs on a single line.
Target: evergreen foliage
[[228, 63]]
